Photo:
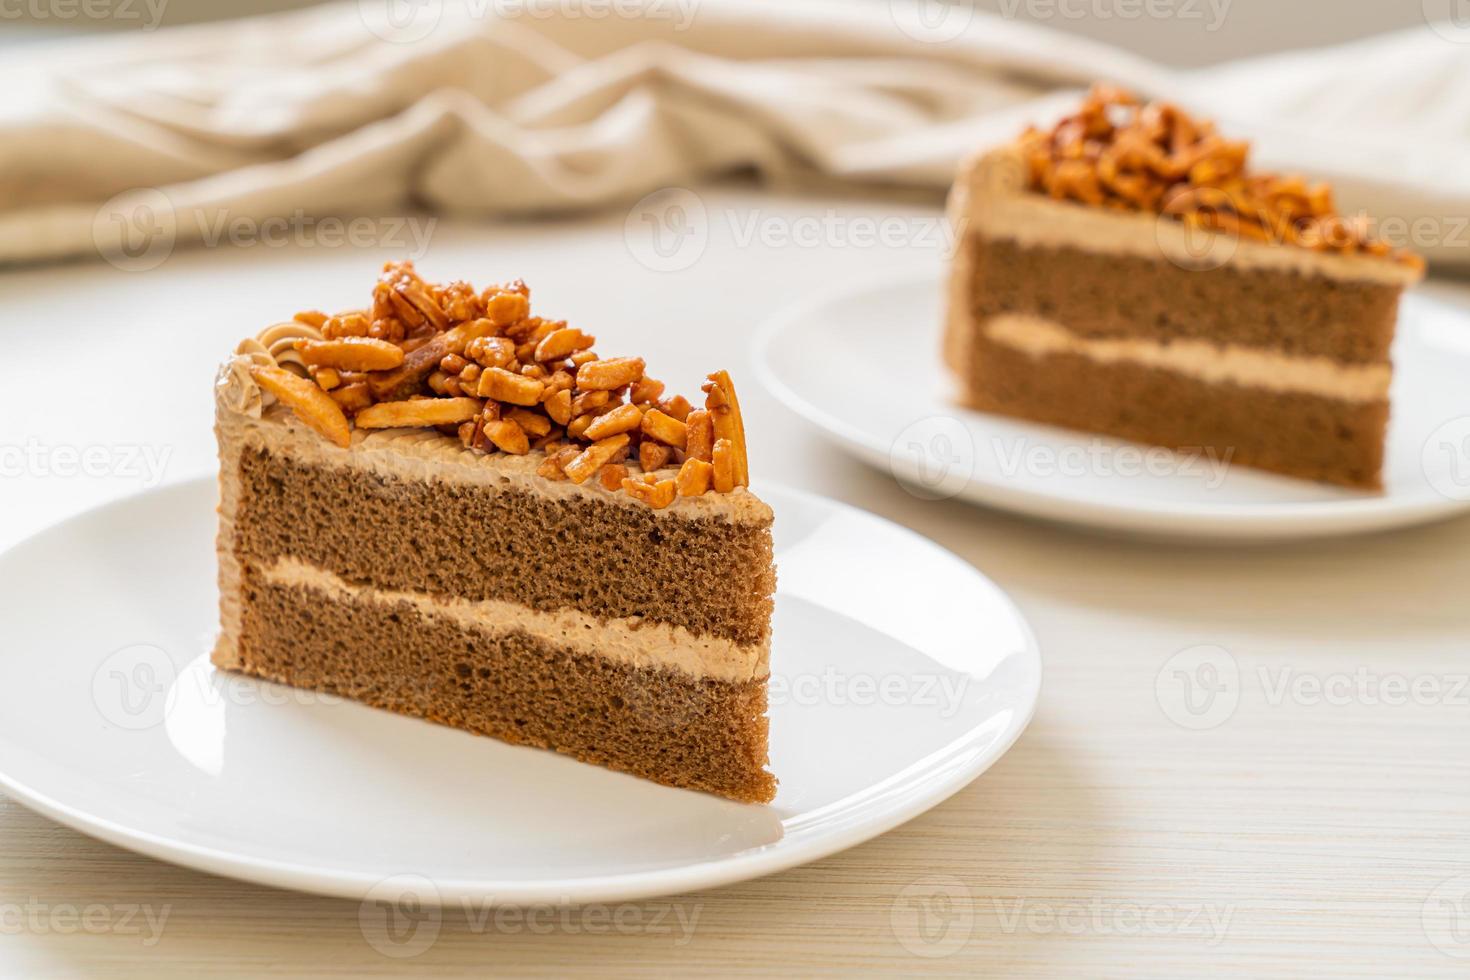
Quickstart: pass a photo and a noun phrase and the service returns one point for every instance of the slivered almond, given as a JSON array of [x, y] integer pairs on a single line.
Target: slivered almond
[[723, 478], [624, 418], [501, 385], [656, 495], [351, 353], [591, 459], [700, 442], [609, 374], [508, 436], [694, 477], [310, 404], [653, 456], [665, 428], [417, 413]]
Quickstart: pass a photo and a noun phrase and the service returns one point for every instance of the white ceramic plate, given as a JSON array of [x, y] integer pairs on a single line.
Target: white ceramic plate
[[864, 366], [899, 675]]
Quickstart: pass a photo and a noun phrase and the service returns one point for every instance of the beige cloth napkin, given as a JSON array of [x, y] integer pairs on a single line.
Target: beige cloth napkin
[[531, 106]]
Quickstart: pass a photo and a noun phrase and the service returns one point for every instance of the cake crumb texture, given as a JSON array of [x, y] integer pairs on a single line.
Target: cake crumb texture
[[709, 576]]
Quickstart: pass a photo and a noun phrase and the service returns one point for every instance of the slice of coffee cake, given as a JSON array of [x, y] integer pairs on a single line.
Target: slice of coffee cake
[[446, 507], [1126, 273]]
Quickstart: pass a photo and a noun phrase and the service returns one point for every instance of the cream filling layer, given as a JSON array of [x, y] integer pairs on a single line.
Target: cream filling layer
[[1248, 367], [630, 641]]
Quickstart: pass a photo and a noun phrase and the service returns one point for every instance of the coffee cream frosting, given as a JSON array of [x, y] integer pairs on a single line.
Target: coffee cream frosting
[[1207, 362], [991, 198], [246, 416], [629, 641]]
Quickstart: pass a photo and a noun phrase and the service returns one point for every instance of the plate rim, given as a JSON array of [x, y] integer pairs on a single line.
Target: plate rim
[[1161, 519], [633, 886]]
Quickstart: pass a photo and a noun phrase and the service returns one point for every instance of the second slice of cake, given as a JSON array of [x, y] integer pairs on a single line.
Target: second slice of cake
[[1126, 273]]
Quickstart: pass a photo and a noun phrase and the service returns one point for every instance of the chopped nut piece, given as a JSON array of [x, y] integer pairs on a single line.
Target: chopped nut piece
[[491, 351], [609, 374], [508, 436], [505, 308], [414, 413], [354, 397], [589, 401], [612, 475], [624, 418], [645, 390], [582, 357], [591, 459], [559, 407], [531, 422], [501, 385], [310, 404], [458, 339], [556, 463], [326, 378], [665, 428], [656, 495], [694, 477], [653, 456], [724, 466], [677, 407], [351, 353], [561, 344], [405, 379], [700, 442], [312, 318]]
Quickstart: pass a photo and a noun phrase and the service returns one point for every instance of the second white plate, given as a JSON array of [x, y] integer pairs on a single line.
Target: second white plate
[[864, 366]]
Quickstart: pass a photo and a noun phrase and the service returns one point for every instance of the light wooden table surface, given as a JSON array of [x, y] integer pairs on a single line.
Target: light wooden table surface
[[1321, 827]]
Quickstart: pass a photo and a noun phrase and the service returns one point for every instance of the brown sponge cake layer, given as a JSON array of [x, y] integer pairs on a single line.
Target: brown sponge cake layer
[[1288, 432], [707, 575], [1110, 294], [655, 723]]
